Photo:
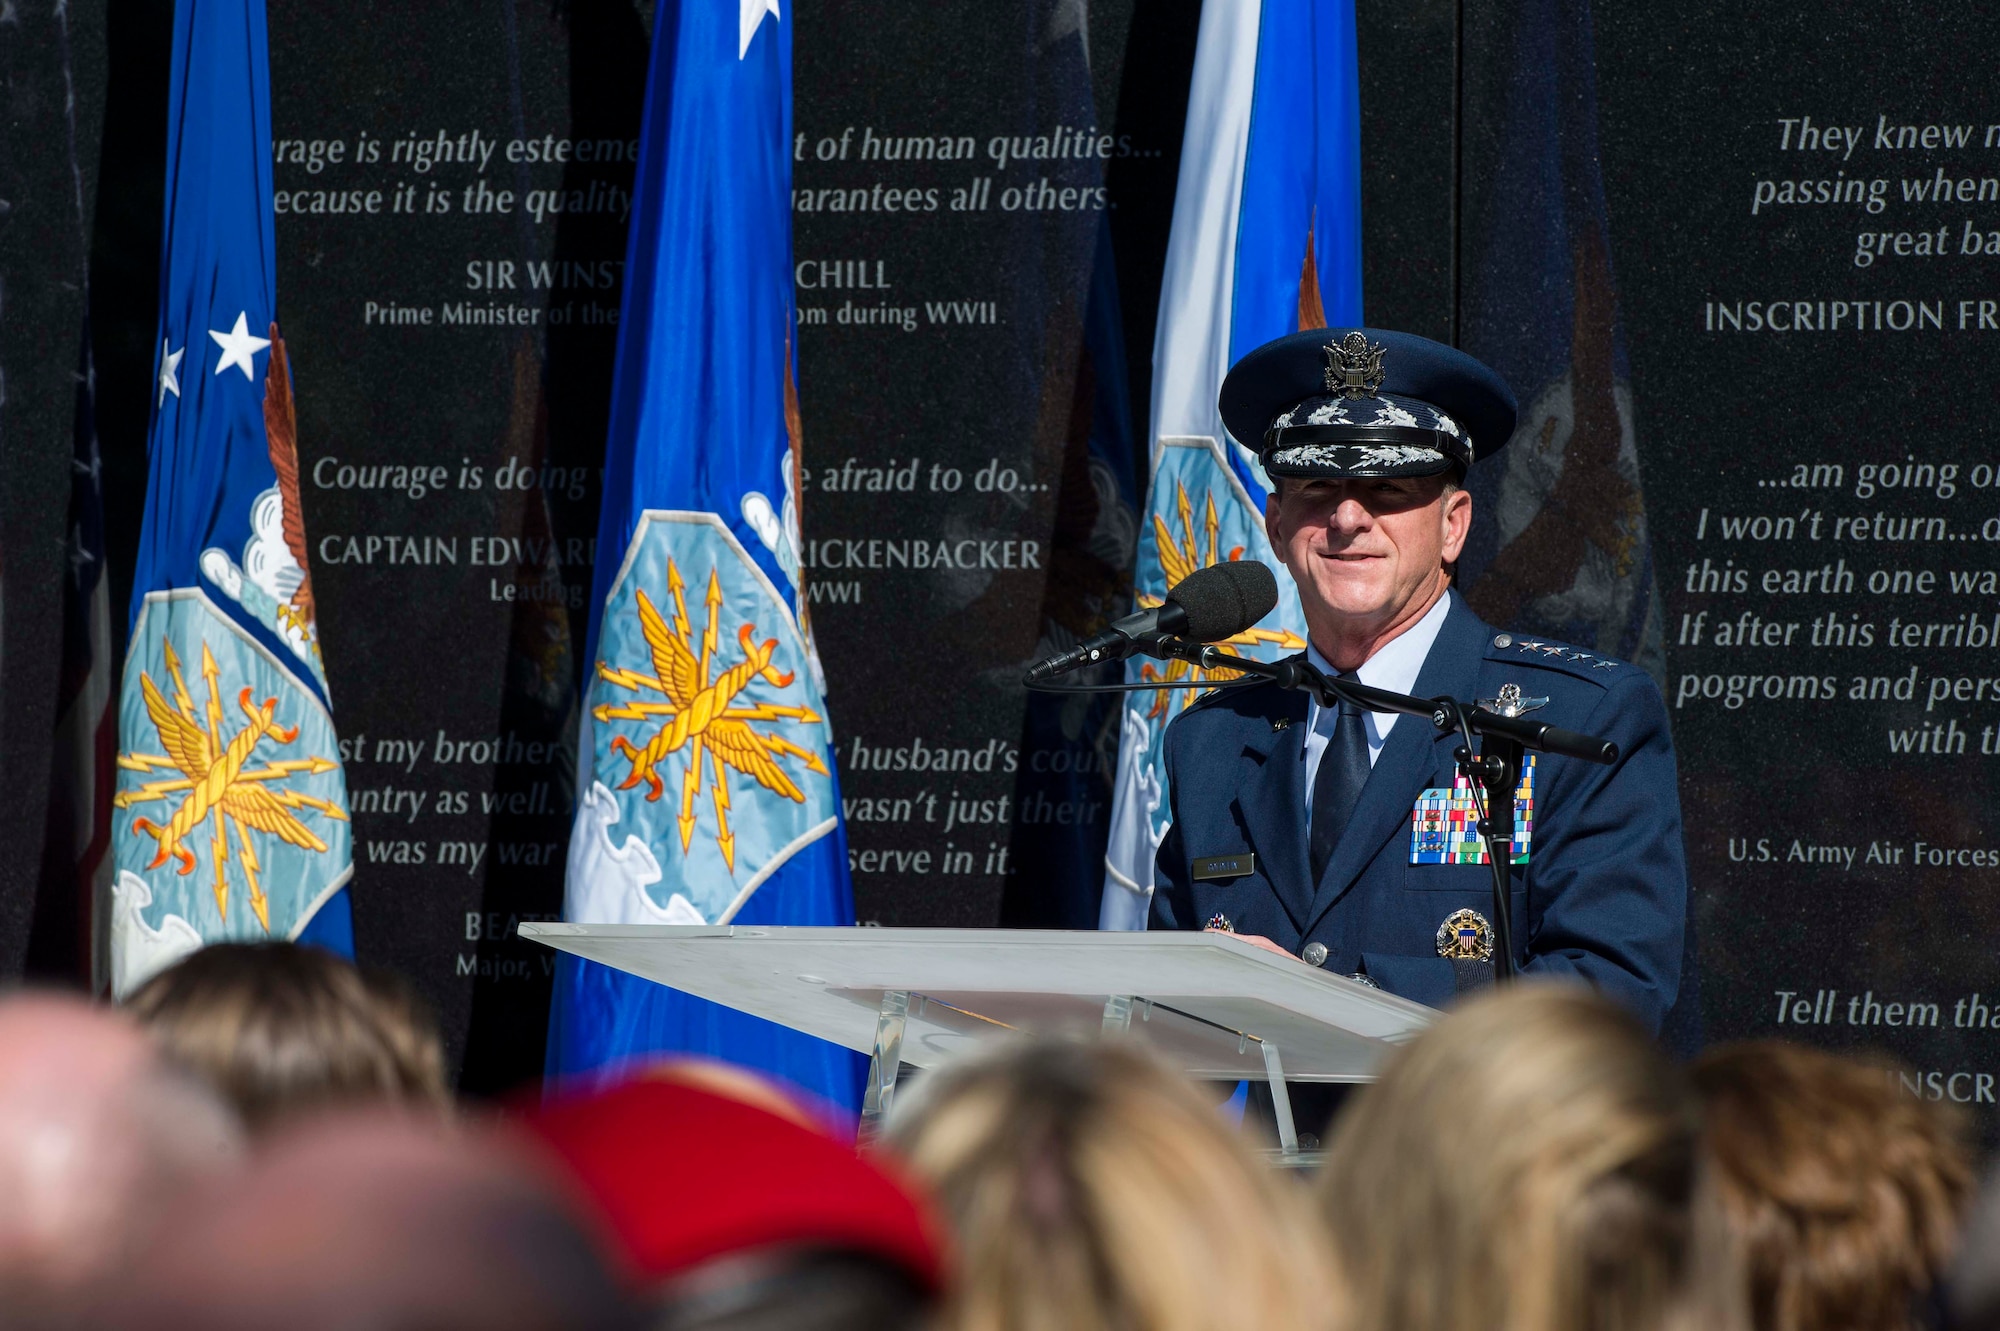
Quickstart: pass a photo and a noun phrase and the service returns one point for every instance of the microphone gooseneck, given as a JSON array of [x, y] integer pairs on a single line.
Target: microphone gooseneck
[[1208, 605]]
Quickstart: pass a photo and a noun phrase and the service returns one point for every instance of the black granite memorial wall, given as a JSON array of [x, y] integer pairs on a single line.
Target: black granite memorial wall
[[53, 116], [1733, 260], [1805, 222]]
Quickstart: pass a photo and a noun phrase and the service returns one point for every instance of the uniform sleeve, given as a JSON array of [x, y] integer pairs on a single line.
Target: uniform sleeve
[[1173, 901], [1607, 897]]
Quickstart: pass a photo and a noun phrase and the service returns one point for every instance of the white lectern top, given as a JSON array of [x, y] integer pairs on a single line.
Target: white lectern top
[[1213, 1005]]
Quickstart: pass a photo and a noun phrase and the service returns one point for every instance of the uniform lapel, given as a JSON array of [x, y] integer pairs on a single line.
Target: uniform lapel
[[1452, 668], [1273, 801]]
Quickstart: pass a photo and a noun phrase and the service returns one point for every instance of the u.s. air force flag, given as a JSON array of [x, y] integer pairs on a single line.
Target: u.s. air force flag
[[706, 790], [1266, 240], [230, 817]]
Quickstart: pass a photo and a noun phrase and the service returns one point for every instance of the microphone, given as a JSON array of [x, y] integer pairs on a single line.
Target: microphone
[[1208, 605]]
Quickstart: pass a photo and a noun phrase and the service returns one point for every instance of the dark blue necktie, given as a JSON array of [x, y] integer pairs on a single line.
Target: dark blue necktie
[[1343, 771]]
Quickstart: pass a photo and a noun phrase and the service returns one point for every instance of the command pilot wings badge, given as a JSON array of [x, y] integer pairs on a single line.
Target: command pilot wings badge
[[1510, 701]]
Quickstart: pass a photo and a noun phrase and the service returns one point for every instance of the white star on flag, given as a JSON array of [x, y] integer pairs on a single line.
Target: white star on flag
[[238, 346], [750, 18], [170, 362]]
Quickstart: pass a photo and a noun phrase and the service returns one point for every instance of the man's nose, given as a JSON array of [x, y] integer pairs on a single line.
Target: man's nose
[[1351, 515]]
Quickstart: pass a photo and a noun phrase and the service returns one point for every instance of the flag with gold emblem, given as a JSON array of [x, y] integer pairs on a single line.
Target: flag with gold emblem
[[230, 814], [1266, 240], [706, 793]]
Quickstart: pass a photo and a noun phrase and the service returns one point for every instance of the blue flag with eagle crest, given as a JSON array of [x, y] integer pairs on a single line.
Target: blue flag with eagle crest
[[707, 794], [230, 815], [1266, 240]]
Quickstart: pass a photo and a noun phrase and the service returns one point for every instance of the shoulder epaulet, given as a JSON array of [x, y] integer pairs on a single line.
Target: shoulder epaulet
[[1527, 648], [1201, 700]]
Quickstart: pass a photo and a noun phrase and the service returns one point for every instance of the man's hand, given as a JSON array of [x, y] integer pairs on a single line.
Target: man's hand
[[1255, 940]]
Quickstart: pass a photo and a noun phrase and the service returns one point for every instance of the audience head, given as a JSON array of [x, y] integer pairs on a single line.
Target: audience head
[[1527, 1164], [1844, 1193], [1091, 1188], [1972, 1287], [281, 1030], [97, 1136], [379, 1220], [735, 1211]]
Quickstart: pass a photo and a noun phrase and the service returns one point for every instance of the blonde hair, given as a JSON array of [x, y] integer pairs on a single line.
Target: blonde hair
[[279, 1029], [1092, 1188], [1528, 1164], [1845, 1193]]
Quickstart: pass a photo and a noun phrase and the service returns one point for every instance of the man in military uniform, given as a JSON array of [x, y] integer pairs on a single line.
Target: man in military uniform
[[1326, 832]]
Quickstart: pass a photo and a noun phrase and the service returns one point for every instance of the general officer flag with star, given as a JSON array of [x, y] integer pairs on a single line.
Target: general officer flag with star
[[705, 766], [230, 815], [1266, 240]]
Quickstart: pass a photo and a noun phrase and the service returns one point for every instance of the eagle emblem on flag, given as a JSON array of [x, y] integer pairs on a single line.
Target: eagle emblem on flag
[[1180, 556], [230, 818], [272, 581], [217, 782], [704, 713], [710, 755]]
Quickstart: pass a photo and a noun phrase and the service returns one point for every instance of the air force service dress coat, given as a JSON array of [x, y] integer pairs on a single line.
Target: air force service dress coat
[[1603, 895]]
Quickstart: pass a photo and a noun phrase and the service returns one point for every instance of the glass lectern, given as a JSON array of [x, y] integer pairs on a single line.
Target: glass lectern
[[1213, 1006]]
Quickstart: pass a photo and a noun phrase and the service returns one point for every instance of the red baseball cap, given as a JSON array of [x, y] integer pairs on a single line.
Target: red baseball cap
[[685, 1172]]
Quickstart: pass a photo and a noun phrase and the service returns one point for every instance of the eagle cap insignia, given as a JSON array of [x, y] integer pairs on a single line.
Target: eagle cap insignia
[[1354, 366]]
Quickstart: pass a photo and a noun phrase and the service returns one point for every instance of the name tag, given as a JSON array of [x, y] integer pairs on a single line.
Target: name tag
[[1224, 866], [1444, 824]]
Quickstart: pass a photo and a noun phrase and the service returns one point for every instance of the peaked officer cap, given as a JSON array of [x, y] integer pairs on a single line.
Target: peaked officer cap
[[1341, 402]]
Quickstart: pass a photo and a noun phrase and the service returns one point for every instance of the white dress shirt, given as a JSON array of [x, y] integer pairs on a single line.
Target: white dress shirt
[[1394, 667]]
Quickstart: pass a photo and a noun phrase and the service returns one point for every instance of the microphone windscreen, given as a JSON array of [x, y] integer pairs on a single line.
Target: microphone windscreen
[[1225, 599]]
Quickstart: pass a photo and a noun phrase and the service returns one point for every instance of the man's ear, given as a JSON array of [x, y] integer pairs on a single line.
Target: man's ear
[[1272, 507], [1456, 518]]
